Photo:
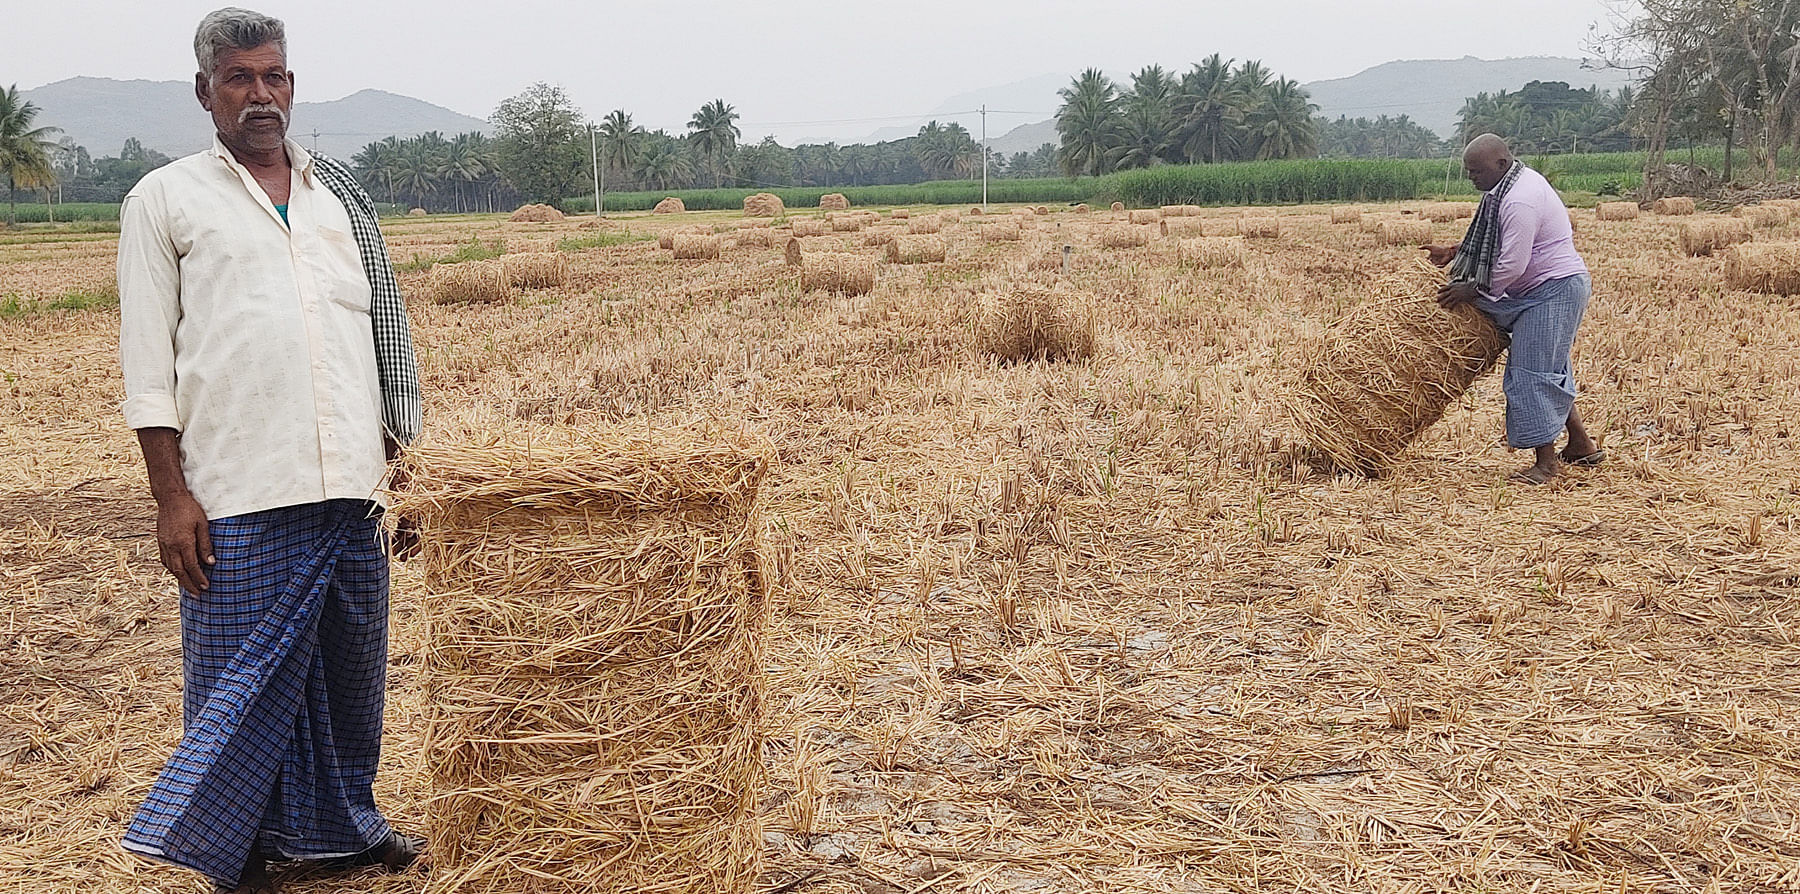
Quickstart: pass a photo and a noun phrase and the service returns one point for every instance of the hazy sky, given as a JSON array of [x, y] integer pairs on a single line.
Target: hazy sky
[[797, 68]]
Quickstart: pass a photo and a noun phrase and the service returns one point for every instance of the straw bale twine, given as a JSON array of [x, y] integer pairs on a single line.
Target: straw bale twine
[[917, 250], [470, 282], [755, 238], [416, 212], [1445, 212], [901, 213], [1027, 321], [1772, 267], [834, 201], [1125, 236], [1616, 211], [535, 214], [811, 226], [1083, 209], [1700, 238], [696, 247], [594, 618], [670, 205], [537, 269], [839, 272], [1405, 232], [1345, 214], [1178, 227], [791, 251], [1765, 215], [1002, 231], [1118, 206], [1180, 210], [1260, 227], [879, 236], [764, 204], [924, 226], [1144, 216], [1387, 370], [1212, 251], [848, 224], [1674, 205]]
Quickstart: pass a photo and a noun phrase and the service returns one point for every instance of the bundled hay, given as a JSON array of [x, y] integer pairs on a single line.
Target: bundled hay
[[811, 226], [416, 212], [1772, 267], [1023, 211], [975, 211], [1345, 214], [1765, 215], [1118, 206], [1212, 251], [696, 247], [536, 214], [1445, 212], [1178, 227], [1405, 232], [764, 204], [1126, 236], [1260, 227], [1387, 370], [756, 223], [470, 282], [879, 236], [834, 201], [1083, 209], [670, 205], [1674, 205], [1372, 223], [537, 270], [792, 252], [594, 618], [1616, 211], [848, 224], [666, 240], [1031, 321], [917, 250], [1144, 216], [1221, 226], [1041, 209], [924, 226], [1181, 210], [1702, 237], [901, 214], [755, 238], [838, 272], [1002, 231]]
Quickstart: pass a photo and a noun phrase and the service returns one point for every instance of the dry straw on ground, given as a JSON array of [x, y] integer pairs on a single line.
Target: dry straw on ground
[[917, 250], [810, 226], [1345, 214], [1178, 227], [537, 269], [470, 282], [670, 205], [1125, 236], [594, 616], [1212, 251], [834, 201], [1702, 237], [924, 225], [838, 272], [1387, 370], [1616, 211], [1405, 232], [1772, 267], [1034, 321], [1674, 205], [764, 204], [1145, 216], [696, 246], [536, 214]]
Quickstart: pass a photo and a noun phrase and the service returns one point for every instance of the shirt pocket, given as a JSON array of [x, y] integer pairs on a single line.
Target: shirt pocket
[[345, 281]]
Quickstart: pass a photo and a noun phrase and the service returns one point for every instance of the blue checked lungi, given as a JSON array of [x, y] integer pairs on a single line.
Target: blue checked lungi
[[284, 666], [1540, 377]]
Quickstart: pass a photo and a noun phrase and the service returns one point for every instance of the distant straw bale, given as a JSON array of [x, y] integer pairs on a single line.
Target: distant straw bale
[[1031, 321], [470, 282], [1702, 237], [1765, 215], [1118, 206], [840, 272], [1405, 232], [1772, 267], [1180, 210], [1388, 370], [1345, 214], [1144, 216], [1616, 211], [764, 204], [670, 205], [1372, 223], [811, 226], [1212, 251], [594, 619], [1221, 226], [536, 214], [1445, 212], [1024, 211], [924, 226], [901, 213], [666, 239], [1178, 227], [1002, 231], [1260, 227], [755, 238], [1083, 209], [848, 224], [1125, 236], [537, 270], [834, 201], [917, 250], [416, 212], [975, 211], [696, 247], [1674, 205], [1041, 209]]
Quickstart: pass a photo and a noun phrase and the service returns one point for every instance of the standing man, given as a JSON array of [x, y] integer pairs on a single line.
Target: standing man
[[1518, 264], [269, 375]]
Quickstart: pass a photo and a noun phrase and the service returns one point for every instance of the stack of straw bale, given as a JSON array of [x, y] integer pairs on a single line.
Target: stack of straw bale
[[1027, 321], [1345, 214], [810, 226], [1125, 236], [1260, 227], [536, 214], [924, 226], [1405, 232], [1772, 267], [1212, 251], [670, 205], [1001, 231], [1387, 370], [834, 201], [470, 282], [1674, 205], [1178, 227], [1616, 211], [537, 270], [594, 618], [764, 204], [839, 272], [917, 250], [1702, 237], [1145, 216], [696, 247]]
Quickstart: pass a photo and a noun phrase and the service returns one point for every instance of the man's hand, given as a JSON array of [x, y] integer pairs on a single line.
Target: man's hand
[[183, 542], [1439, 255], [1455, 293], [405, 542]]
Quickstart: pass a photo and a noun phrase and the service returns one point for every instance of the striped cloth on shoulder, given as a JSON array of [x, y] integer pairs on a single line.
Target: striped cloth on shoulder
[[1481, 245]]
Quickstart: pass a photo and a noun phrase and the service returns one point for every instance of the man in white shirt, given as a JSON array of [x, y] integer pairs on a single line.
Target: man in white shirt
[[269, 375]]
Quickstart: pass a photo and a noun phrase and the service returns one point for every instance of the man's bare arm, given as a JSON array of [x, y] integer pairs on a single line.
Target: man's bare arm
[[182, 540]]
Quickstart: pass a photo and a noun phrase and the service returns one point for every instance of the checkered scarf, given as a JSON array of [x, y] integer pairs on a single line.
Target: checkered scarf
[[401, 408], [1481, 245]]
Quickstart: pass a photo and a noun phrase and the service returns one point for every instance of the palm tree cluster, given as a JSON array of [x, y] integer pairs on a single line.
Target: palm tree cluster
[[1549, 116], [1387, 136], [428, 171], [1212, 113], [25, 150]]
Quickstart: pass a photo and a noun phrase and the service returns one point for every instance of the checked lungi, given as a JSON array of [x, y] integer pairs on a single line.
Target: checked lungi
[[284, 666], [1540, 377]]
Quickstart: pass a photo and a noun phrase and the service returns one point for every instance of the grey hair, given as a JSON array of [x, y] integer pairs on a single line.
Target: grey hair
[[232, 28]]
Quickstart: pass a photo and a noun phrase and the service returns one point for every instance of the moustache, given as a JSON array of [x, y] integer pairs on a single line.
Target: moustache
[[262, 109]]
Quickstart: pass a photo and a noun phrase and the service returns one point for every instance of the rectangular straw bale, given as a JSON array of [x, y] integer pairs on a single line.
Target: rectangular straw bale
[[1405, 232], [1772, 267], [1221, 226], [1387, 370], [755, 238], [1616, 211], [1765, 215], [840, 272], [1212, 251], [1674, 205], [924, 226], [1125, 236], [1001, 231], [1702, 237], [1031, 321], [810, 226], [594, 613], [696, 247], [537, 269], [1178, 227], [847, 223], [1345, 214], [1144, 216], [1180, 211], [1371, 223], [470, 282], [917, 250]]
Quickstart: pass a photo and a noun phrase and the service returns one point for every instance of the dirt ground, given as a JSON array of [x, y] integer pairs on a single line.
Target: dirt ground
[[1088, 626]]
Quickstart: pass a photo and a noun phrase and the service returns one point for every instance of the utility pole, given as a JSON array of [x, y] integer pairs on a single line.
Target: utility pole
[[594, 149], [984, 206]]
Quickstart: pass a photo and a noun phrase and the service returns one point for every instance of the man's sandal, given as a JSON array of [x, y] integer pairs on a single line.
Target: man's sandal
[[396, 854], [1592, 459]]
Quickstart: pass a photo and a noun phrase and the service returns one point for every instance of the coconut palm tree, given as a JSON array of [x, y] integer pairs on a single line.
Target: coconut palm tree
[[714, 134], [24, 150], [662, 164], [620, 141], [1209, 111], [1282, 125], [466, 159], [1087, 124]]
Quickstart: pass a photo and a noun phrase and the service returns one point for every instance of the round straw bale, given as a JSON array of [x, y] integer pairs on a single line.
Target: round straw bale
[[1674, 205], [594, 615], [901, 213], [1445, 212], [1221, 226], [1180, 210], [848, 224], [1178, 227], [879, 236], [666, 239], [1118, 206], [1212, 251], [1371, 223], [924, 226], [536, 214], [696, 247], [670, 205], [1702, 237], [1083, 209], [1023, 211], [1145, 216], [416, 212], [810, 226], [754, 238], [792, 252], [1387, 370], [764, 204], [917, 250], [1125, 236], [839, 272], [1030, 321], [1260, 227], [537, 270], [1772, 267], [1345, 214], [1765, 215], [1405, 232], [470, 282], [1041, 209], [1616, 211], [975, 211], [1001, 231], [834, 201]]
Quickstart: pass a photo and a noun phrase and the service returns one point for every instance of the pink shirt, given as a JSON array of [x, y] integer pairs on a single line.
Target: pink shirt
[[1537, 242]]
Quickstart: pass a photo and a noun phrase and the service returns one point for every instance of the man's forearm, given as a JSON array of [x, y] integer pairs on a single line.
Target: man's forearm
[[162, 459]]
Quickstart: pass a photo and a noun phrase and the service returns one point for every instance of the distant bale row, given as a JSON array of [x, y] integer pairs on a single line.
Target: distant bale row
[[670, 205], [1674, 205], [1036, 322], [764, 204], [1703, 237], [1616, 211]]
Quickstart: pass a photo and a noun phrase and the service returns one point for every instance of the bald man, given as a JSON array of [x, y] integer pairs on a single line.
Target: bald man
[[1518, 264]]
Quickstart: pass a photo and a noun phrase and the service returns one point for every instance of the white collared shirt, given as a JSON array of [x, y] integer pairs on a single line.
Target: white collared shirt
[[249, 336]]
